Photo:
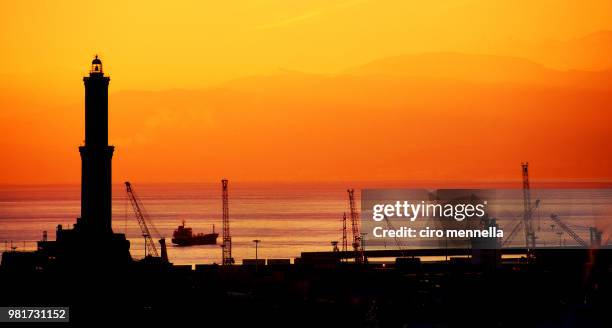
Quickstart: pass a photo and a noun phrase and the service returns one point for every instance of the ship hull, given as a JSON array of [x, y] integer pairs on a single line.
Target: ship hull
[[208, 239]]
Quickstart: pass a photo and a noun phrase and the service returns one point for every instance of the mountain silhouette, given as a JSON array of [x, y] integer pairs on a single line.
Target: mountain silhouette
[[592, 52], [482, 69], [428, 116]]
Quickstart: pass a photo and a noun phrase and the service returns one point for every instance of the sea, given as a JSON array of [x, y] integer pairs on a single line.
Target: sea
[[287, 218]]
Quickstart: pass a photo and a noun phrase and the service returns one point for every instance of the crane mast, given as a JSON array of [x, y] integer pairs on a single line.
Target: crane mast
[[355, 227], [528, 210], [344, 234], [140, 217], [227, 258]]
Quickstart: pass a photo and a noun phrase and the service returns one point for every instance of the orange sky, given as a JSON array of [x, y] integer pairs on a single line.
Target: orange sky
[[311, 90]]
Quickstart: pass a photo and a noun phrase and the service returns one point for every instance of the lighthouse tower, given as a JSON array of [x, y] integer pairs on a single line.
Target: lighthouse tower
[[91, 244], [96, 155], [92, 240]]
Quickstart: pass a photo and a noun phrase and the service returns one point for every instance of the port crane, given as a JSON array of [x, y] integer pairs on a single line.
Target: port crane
[[527, 223], [357, 245], [595, 234], [142, 218], [227, 258], [344, 236], [527, 226], [527, 214], [569, 231]]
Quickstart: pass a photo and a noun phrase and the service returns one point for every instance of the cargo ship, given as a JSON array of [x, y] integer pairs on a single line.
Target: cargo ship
[[184, 236]]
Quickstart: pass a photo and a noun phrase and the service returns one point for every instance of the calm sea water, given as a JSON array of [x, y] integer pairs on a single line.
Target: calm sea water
[[287, 218]]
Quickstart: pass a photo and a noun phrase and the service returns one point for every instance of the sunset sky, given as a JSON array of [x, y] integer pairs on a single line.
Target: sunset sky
[[311, 90]]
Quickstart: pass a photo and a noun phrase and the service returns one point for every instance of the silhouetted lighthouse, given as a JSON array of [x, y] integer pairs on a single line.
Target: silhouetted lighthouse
[[96, 154], [91, 244]]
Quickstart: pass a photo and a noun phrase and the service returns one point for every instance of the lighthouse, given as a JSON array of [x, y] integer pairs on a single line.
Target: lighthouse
[[96, 155], [91, 245]]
